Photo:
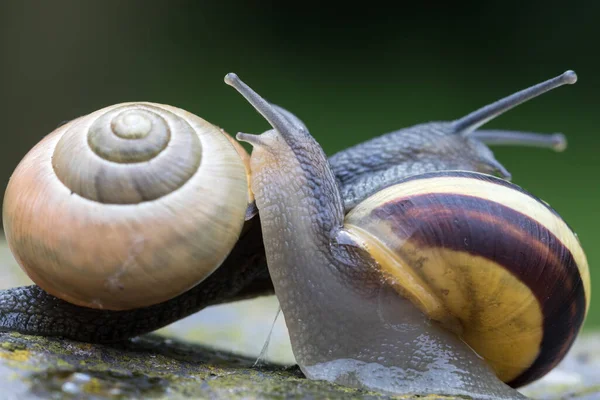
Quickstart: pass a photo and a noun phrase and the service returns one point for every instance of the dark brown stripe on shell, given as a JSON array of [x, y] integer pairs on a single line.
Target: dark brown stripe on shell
[[484, 228]]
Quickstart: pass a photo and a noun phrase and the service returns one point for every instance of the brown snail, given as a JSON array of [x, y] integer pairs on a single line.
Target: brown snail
[[102, 200], [364, 171], [448, 282]]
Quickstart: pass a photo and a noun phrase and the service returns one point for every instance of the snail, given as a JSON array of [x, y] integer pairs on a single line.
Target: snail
[[35, 215], [170, 166], [449, 282]]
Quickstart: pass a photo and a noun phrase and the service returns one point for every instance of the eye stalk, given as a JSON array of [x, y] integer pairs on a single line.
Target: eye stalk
[[470, 122], [281, 122]]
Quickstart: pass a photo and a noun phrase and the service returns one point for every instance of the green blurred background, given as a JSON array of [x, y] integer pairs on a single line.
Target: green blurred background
[[349, 73]]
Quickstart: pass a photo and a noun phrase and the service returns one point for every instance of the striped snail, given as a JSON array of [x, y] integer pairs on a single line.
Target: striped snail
[[447, 282], [116, 232]]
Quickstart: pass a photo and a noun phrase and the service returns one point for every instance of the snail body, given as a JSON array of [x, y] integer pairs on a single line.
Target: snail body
[[434, 284]]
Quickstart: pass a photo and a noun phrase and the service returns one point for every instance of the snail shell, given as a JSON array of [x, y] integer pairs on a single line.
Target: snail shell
[[487, 260], [128, 206]]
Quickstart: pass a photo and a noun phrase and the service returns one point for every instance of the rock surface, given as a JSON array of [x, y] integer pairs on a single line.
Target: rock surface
[[154, 367], [149, 368]]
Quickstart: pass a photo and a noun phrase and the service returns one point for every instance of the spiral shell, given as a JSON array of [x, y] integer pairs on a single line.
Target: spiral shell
[[128, 206], [486, 259]]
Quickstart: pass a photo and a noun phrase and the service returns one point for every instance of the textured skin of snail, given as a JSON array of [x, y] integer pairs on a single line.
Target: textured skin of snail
[[244, 273], [450, 283]]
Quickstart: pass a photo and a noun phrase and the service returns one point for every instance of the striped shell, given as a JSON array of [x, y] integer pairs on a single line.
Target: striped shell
[[486, 259], [126, 207]]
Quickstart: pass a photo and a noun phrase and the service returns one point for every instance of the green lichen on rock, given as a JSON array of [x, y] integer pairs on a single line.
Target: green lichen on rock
[[150, 367], [155, 367]]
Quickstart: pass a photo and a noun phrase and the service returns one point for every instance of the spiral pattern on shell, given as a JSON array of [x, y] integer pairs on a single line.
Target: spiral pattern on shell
[[156, 151], [128, 206]]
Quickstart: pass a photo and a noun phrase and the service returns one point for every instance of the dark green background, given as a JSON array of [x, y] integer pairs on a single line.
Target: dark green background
[[349, 73]]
